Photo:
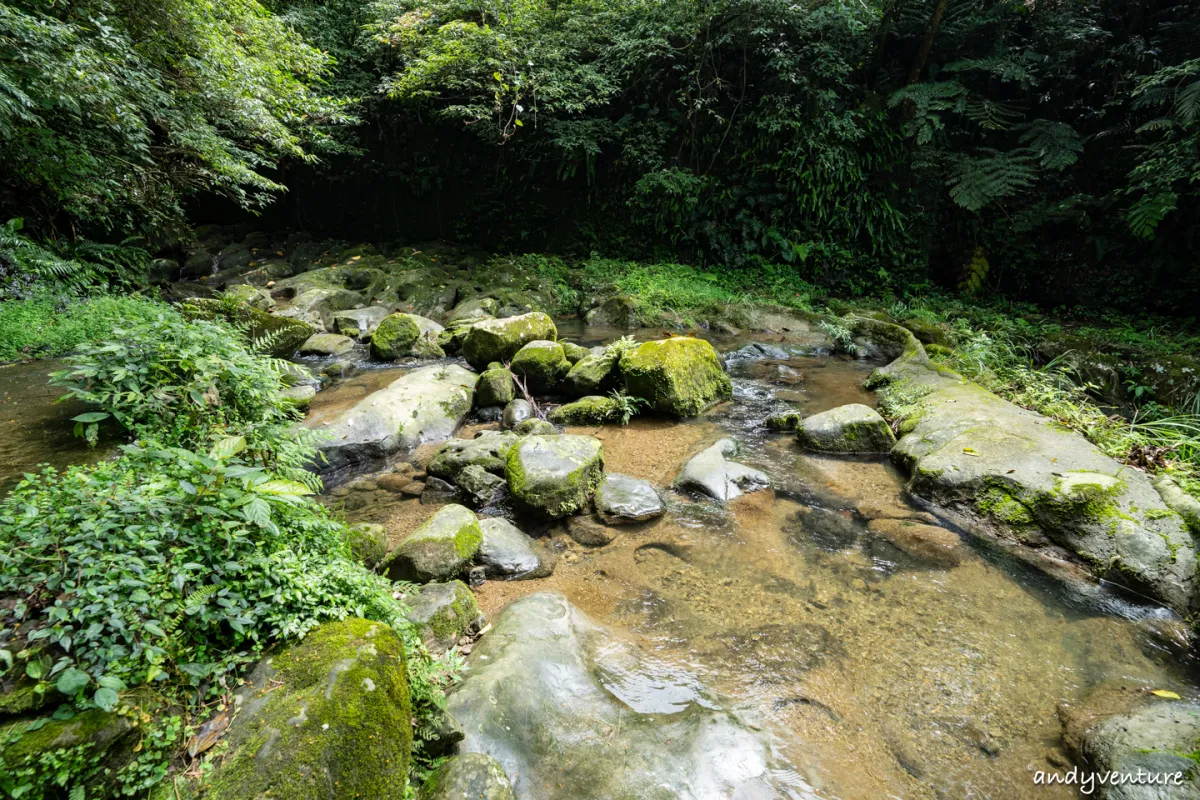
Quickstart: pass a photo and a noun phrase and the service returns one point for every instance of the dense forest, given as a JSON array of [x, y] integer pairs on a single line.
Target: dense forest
[[811, 382]]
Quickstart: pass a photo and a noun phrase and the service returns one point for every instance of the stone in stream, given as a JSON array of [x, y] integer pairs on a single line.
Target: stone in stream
[[300, 396], [438, 550], [1012, 474], [470, 776], [788, 421], [479, 486], [852, 428], [317, 306], [326, 344], [516, 412], [591, 410], [495, 388], [711, 473], [400, 335], [570, 710], [421, 406], [555, 476], [591, 375], [508, 554], [437, 492], [488, 450], [541, 365], [574, 353], [621, 499], [590, 531], [1155, 738], [368, 543], [332, 709], [930, 543], [444, 612], [359, 322], [679, 377], [500, 339], [535, 427]]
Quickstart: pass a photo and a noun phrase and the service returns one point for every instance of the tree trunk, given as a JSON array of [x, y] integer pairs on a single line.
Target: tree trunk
[[923, 54]]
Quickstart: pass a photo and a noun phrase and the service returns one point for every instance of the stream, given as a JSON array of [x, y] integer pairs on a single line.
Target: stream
[[882, 674]]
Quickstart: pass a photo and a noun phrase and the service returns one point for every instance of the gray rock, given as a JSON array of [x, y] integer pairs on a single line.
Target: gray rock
[[1153, 739], [443, 612], [547, 688], [535, 427], [554, 476], [326, 344], [853, 428], [316, 306], [251, 296], [1180, 502], [621, 499], [930, 543], [508, 554], [1017, 475], [713, 474], [475, 310], [470, 776], [489, 450], [437, 492], [438, 550], [479, 486], [359, 322], [422, 406], [590, 531], [516, 412]]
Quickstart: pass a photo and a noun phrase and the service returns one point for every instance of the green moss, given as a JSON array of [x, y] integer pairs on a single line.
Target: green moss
[[593, 410], [542, 365], [998, 503], [681, 376], [784, 422], [395, 337], [494, 388]]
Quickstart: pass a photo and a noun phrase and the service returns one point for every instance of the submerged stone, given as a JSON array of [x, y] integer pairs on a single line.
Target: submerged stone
[[681, 376], [438, 550], [853, 428], [470, 776], [555, 475], [930, 543], [621, 499], [711, 473]]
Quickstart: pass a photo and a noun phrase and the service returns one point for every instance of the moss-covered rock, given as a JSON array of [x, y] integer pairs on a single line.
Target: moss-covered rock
[[394, 337], [480, 487], [427, 347], [555, 476], [852, 428], [620, 311], [359, 322], [516, 412], [368, 543], [283, 335], [451, 339], [929, 332], [251, 296], [680, 376], [593, 374], [91, 740], [788, 421], [444, 612], [473, 310], [574, 352], [500, 339], [495, 388], [489, 450], [541, 365], [326, 344], [438, 550], [332, 710], [469, 776], [535, 427], [593, 410]]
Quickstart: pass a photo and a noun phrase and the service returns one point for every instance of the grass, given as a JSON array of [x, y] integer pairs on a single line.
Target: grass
[[49, 325]]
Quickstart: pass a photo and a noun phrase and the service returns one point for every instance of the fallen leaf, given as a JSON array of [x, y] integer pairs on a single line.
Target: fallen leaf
[[1165, 693], [970, 451]]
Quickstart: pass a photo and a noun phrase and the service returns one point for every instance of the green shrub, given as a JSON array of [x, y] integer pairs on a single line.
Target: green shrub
[[48, 325]]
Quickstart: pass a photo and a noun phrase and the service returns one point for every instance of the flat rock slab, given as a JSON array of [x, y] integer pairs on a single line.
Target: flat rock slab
[[1023, 475], [621, 499], [421, 406], [1153, 739], [570, 711], [853, 428], [712, 473], [508, 554], [555, 476]]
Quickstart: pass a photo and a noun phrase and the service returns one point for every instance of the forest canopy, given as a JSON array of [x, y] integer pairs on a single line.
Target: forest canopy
[[1048, 150]]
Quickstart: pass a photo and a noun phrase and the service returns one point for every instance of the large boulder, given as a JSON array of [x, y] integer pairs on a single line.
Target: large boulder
[[326, 344], [1159, 738], [853, 428], [423, 405], [712, 473], [488, 450], [621, 499], [500, 339], [1019, 477], [555, 476], [495, 388], [282, 335], [593, 374], [507, 554], [330, 710], [470, 776], [400, 335], [547, 688], [443, 612], [438, 550], [680, 376], [541, 365]]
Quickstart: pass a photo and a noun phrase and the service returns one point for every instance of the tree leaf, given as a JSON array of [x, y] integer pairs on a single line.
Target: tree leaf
[[106, 699], [1169, 695], [71, 681]]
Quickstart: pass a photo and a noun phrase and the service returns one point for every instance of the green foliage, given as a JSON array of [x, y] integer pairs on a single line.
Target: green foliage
[[839, 336], [627, 406], [27, 266], [47, 324]]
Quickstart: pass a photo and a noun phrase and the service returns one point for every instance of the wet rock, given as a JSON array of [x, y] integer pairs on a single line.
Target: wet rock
[[495, 388], [547, 688], [283, 335], [852, 428], [1022, 474], [929, 543], [621, 499], [470, 776], [359, 323], [590, 531], [680, 376], [829, 529], [330, 710], [535, 427], [508, 554], [890, 509], [554, 476], [500, 339], [424, 405], [479, 486], [301, 396], [516, 412], [591, 410], [326, 344], [574, 352], [316, 306], [778, 654], [435, 491], [711, 473], [368, 543], [1154, 738], [438, 550], [443, 612], [400, 335], [489, 450], [789, 421], [489, 413], [757, 351], [541, 365]]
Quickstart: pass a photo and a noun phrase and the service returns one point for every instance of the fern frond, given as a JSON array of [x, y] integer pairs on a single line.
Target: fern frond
[[977, 182], [1055, 144], [1149, 210]]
